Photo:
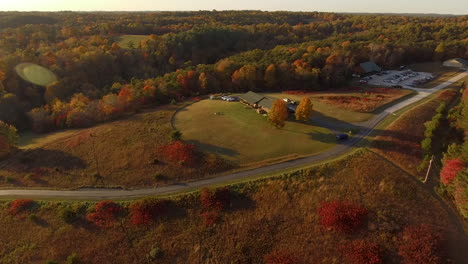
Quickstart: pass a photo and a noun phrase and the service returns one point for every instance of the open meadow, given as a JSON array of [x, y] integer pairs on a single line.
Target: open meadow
[[239, 134]]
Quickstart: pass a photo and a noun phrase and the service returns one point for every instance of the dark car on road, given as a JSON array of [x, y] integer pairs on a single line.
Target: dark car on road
[[342, 136]]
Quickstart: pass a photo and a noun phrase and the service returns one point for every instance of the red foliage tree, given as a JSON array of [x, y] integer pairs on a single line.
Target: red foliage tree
[[146, 211], [105, 214], [180, 152], [280, 257], [450, 170], [362, 252], [421, 245], [341, 216], [218, 200], [17, 207]]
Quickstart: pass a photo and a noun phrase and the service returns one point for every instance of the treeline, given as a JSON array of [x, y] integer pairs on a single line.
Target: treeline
[[210, 53]]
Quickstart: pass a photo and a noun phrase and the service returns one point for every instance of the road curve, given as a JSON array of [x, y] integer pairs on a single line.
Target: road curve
[[96, 194]]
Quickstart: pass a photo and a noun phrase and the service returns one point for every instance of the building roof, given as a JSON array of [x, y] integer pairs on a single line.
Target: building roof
[[459, 60], [266, 102], [370, 66], [251, 97]]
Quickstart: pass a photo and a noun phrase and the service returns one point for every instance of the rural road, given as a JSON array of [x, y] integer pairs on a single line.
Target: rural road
[[95, 194]]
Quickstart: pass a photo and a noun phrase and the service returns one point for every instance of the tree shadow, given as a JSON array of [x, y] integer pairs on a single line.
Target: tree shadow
[[214, 149], [36, 159]]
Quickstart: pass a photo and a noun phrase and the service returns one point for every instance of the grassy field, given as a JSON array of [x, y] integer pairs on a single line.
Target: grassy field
[[400, 141], [267, 215], [345, 110], [240, 134], [125, 152], [125, 40]]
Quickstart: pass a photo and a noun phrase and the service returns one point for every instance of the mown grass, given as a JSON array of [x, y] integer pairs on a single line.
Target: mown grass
[[240, 134], [268, 214], [121, 153]]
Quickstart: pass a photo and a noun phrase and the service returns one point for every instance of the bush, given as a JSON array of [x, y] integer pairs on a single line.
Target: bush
[[218, 200], [280, 257], [146, 211], [175, 135], [341, 216], [106, 214], [210, 218], [69, 216], [155, 253], [73, 259], [421, 245], [450, 170], [17, 207], [362, 252], [180, 153]]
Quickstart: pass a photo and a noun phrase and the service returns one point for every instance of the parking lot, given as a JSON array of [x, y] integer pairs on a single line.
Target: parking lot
[[404, 78]]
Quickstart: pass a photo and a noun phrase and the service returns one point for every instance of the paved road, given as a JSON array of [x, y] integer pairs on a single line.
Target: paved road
[[366, 129]]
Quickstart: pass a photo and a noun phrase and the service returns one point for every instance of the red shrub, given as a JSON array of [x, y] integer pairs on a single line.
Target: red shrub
[[341, 216], [421, 245], [450, 170], [180, 152], [105, 214], [362, 252], [146, 211], [20, 206], [210, 218], [218, 200], [280, 257]]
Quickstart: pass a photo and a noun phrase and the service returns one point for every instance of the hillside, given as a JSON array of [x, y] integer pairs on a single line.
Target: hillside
[[125, 153], [268, 215]]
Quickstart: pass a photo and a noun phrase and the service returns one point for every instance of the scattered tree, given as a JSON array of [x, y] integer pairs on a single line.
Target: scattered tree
[[341, 216], [450, 170], [362, 252], [304, 109], [421, 245], [278, 113], [280, 257]]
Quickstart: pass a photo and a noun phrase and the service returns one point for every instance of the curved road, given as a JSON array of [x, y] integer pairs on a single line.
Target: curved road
[[366, 129]]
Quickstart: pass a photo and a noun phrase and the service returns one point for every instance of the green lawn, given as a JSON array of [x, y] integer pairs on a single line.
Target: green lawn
[[241, 135], [125, 40]]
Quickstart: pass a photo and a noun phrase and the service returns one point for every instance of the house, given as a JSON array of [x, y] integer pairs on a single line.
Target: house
[[457, 63], [368, 67], [256, 100]]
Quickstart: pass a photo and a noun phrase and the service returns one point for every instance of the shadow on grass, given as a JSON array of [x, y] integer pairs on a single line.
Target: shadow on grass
[[214, 149]]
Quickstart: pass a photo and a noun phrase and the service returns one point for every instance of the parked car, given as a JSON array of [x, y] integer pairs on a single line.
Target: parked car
[[362, 81], [397, 86], [342, 136]]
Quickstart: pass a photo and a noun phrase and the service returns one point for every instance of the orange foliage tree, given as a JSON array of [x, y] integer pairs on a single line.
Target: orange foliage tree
[[304, 109], [278, 113]]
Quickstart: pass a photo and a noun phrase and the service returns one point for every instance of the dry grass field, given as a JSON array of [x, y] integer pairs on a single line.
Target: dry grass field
[[265, 216], [125, 153]]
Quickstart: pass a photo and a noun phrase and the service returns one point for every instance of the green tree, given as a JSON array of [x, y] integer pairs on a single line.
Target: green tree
[[304, 109], [278, 113]]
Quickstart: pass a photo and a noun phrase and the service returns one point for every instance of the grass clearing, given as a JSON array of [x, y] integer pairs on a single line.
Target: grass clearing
[[266, 215], [126, 153], [349, 106], [30, 140], [240, 134], [125, 40]]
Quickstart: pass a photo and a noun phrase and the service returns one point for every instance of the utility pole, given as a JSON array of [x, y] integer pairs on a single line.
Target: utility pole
[[429, 169]]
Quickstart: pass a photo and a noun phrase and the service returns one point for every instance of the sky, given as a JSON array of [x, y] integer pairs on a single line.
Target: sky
[[370, 6]]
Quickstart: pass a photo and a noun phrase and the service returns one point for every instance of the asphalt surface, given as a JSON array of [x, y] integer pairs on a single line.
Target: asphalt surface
[[94, 194]]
